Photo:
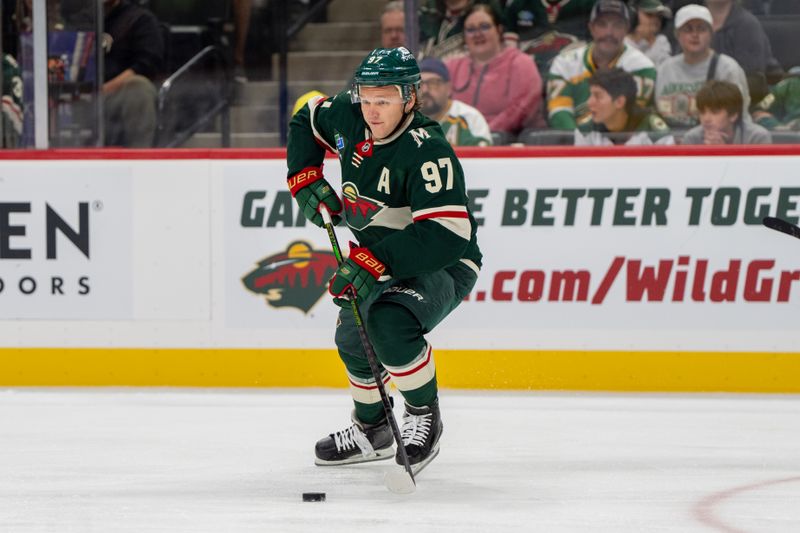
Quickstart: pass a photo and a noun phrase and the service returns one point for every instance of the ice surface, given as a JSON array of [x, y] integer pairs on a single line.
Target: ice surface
[[167, 460]]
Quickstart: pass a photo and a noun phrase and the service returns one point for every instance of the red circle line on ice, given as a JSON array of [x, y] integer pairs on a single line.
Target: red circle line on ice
[[703, 510]]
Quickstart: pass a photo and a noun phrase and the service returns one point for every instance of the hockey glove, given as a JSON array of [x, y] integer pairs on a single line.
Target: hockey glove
[[359, 272], [313, 192]]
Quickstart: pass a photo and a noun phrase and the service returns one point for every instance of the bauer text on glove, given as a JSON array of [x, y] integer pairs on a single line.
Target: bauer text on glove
[[312, 193], [360, 271]]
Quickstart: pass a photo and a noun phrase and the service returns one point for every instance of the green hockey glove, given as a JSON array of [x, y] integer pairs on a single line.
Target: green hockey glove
[[358, 272], [313, 192]]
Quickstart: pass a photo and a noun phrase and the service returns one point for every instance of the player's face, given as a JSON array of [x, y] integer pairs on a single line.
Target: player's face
[[695, 37], [608, 33], [482, 36], [600, 104], [383, 109], [433, 94], [393, 33]]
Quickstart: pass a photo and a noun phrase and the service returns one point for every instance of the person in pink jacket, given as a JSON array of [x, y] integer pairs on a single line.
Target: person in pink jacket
[[500, 81]]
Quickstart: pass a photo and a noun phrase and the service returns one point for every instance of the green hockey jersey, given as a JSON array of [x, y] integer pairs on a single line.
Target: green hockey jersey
[[568, 84], [404, 196]]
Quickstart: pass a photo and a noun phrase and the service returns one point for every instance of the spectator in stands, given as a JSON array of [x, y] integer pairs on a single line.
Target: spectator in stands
[[134, 51], [463, 125], [393, 25], [647, 36], [780, 110], [241, 27], [616, 119], [720, 104], [567, 85], [739, 34], [545, 27], [681, 76], [499, 80], [12, 103], [441, 26]]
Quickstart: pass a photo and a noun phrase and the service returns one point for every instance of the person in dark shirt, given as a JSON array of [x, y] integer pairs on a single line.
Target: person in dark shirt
[[616, 119], [134, 52], [739, 34]]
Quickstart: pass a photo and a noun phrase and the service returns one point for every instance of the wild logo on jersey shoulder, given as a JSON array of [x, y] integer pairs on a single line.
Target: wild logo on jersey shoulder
[[419, 135], [360, 210], [296, 278]]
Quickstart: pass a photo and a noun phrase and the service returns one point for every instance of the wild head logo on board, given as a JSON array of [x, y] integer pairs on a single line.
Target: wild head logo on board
[[295, 278]]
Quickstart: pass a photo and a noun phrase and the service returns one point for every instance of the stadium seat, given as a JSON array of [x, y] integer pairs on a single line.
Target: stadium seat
[[547, 137], [784, 7], [502, 138], [783, 32], [785, 137]]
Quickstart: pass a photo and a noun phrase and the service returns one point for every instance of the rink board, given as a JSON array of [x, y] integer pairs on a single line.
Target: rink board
[[601, 272]]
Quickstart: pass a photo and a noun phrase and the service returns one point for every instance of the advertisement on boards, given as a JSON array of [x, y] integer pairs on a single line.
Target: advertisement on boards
[[639, 253], [65, 242], [277, 264]]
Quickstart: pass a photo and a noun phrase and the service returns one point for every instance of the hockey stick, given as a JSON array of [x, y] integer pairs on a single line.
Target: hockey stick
[[401, 482], [781, 225]]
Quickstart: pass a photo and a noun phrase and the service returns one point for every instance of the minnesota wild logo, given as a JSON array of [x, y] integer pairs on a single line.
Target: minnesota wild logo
[[295, 278], [359, 210]]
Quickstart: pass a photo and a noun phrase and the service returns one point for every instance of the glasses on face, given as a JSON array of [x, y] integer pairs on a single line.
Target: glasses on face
[[432, 83], [694, 28], [483, 27]]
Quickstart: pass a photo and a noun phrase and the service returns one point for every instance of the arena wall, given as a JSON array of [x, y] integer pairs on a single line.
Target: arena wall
[[636, 269]]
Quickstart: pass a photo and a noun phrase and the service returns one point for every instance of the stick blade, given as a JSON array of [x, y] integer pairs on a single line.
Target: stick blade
[[781, 225], [399, 481]]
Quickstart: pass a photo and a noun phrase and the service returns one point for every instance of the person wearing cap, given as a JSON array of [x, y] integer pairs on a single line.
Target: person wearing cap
[[404, 198], [462, 124], [647, 36], [498, 80], [545, 27], [567, 81], [681, 76], [720, 105]]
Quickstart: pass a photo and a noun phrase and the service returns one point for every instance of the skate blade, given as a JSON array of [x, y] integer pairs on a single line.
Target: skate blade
[[398, 481], [379, 455], [417, 468]]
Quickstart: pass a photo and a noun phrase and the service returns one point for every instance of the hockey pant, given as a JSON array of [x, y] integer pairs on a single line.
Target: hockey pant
[[398, 314]]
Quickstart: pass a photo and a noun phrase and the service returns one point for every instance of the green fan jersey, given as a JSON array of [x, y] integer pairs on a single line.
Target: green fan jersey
[[568, 84], [404, 196], [782, 106]]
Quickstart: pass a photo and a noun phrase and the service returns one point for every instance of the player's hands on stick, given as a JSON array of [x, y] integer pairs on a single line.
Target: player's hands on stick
[[313, 192], [358, 272]]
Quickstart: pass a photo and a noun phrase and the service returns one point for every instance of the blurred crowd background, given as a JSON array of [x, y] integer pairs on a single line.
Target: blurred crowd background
[[229, 73]]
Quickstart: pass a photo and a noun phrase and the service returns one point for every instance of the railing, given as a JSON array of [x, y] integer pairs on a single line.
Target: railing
[[288, 32], [165, 138]]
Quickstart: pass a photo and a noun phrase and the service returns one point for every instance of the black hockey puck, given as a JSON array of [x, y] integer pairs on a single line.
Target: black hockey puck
[[313, 496]]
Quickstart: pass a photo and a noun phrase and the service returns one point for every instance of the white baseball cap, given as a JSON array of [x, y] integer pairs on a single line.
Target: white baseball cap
[[691, 12]]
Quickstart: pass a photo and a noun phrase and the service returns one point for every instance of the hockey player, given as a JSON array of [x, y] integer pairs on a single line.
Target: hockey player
[[405, 200]]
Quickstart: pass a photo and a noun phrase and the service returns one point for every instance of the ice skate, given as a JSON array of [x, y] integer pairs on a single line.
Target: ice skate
[[422, 427], [358, 443]]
